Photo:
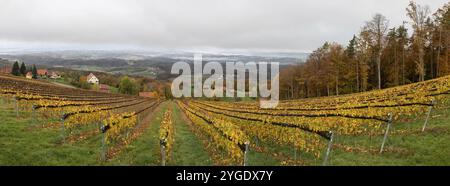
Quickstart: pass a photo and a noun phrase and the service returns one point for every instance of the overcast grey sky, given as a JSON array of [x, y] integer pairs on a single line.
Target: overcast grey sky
[[211, 25]]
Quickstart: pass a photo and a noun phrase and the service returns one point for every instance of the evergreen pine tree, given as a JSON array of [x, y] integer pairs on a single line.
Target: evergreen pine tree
[[34, 72], [15, 69], [23, 69]]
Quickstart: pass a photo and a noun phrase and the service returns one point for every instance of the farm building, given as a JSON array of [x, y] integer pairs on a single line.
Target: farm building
[[55, 75], [91, 78], [29, 75], [42, 72]]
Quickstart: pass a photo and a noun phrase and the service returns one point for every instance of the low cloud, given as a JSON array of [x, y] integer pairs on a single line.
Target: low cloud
[[292, 25]]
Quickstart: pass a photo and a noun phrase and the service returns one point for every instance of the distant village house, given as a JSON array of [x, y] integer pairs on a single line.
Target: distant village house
[[55, 75], [92, 79], [42, 72], [29, 75]]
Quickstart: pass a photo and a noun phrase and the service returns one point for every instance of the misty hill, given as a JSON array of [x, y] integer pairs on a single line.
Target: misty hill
[[150, 64]]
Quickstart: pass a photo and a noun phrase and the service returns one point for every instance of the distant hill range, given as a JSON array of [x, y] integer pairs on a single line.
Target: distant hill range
[[150, 64]]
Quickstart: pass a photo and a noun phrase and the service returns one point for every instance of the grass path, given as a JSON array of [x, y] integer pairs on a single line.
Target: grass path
[[188, 149], [145, 149], [255, 158]]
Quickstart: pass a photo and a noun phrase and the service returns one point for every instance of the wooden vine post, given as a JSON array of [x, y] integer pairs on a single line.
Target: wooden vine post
[[104, 144], [330, 144], [247, 144], [389, 123], [163, 143], [63, 128], [33, 108], [433, 102], [16, 100]]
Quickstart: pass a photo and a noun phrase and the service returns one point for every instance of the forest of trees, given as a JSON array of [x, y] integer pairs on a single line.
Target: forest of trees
[[379, 56]]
